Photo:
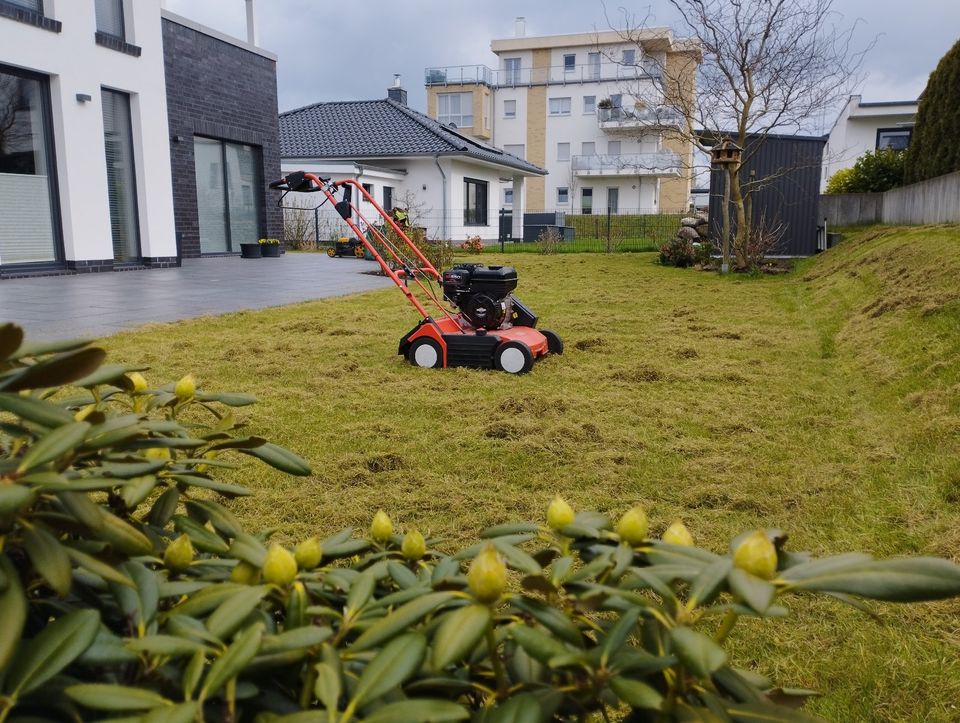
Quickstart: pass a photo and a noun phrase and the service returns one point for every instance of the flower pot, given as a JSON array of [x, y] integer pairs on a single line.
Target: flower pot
[[250, 251], [270, 250]]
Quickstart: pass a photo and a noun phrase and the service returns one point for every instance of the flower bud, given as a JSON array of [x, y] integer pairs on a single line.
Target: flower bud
[[414, 546], [245, 573], [280, 566], [757, 555], [559, 513], [185, 388], [139, 383], [632, 527], [179, 554], [487, 578], [382, 527], [678, 534], [157, 453], [308, 554]]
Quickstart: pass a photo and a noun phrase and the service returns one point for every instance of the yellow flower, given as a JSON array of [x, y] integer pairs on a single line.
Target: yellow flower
[[280, 566], [414, 546], [487, 578], [185, 388], [559, 513], [757, 555], [157, 453], [678, 534], [382, 528], [632, 527], [179, 554], [308, 554], [245, 574], [139, 383]]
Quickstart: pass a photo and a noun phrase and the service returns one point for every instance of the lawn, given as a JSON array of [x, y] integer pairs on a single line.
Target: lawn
[[826, 402]]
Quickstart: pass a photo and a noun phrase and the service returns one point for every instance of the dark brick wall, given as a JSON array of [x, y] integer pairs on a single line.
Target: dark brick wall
[[218, 90]]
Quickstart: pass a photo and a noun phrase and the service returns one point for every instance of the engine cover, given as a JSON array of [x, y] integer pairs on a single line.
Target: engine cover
[[482, 293]]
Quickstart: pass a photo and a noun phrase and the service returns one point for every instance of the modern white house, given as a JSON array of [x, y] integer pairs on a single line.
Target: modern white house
[[866, 126], [449, 180], [588, 108]]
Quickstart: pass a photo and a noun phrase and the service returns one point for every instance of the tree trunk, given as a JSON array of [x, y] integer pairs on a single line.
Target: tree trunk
[[743, 223]]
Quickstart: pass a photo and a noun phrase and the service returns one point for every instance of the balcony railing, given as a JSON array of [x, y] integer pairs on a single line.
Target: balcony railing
[[550, 75], [633, 118], [661, 163]]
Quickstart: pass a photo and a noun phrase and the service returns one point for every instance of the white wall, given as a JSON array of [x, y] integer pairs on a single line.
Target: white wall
[[76, 64]]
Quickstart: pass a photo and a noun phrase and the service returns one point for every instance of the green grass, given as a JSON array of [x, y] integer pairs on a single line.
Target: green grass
[[826, 402]]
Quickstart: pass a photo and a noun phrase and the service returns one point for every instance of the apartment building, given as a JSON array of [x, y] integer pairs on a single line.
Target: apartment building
[[587, 107]]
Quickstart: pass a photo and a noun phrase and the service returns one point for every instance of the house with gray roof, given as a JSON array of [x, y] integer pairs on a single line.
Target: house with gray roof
[[451, 183]]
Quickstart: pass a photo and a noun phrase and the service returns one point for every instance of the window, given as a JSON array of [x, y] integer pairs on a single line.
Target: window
[[616, 100], [121, 176], [613, 148], [456, 109], [508, 197], [511, 67], [569, 63], [388, 198], [563, 196], [586, 201], [896, 138], [589, 148], [229, 194], [630, 56], [509, 109], [593, 63], [613, 199], [514, 149], [589, 104], [474, 202], [35, 5], [27, 210], [563, 151], [559, 106], [110, 17]]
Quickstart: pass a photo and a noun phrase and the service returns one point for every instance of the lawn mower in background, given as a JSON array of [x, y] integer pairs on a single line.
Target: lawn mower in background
[[491, 328], [346, 247]]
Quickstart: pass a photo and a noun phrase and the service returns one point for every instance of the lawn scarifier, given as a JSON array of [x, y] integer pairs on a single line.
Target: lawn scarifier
[[493, 329]]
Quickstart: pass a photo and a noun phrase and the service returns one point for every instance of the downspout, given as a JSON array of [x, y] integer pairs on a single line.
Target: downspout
[[443, 220]]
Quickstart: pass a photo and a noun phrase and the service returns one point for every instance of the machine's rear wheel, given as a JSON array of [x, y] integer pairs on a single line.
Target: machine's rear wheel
[[359, 251], [513, 357], [331, 252], [554, 342], [425, 353]]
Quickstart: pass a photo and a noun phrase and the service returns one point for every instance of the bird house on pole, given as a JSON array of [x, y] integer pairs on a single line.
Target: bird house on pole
[[725, 153]]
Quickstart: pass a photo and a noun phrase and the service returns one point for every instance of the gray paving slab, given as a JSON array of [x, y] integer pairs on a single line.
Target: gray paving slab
[[60, 307]]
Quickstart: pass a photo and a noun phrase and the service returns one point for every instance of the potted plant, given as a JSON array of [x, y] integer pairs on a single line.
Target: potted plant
[[250, 251], [605, 104], [270, 247]]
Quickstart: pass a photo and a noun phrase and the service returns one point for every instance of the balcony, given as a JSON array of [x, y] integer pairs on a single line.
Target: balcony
[[661, 163], [614, 120], [551, 75]]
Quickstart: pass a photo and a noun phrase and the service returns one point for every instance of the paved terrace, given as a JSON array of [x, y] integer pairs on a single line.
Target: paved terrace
[[99, 304]]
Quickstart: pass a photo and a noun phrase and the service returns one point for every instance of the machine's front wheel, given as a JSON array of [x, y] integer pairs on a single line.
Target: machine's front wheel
[[513, 357], [331, 252], [425, 353], [359, 251], [554, 342]]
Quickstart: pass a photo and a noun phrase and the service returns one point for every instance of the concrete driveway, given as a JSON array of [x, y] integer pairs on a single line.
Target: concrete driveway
[[99, 304]]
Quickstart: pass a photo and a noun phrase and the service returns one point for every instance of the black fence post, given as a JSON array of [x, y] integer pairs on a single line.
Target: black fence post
[[609, 210], [502, 234]]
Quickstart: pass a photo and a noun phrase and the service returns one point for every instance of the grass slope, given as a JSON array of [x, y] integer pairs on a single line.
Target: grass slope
[[826, 403]]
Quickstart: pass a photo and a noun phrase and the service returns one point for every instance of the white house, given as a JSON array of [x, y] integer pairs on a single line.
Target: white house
[[862, 127], [449, 180]]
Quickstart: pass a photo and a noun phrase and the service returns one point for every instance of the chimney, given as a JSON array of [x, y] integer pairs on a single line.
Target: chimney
[[396, 92], [520, 27], [251, 24]]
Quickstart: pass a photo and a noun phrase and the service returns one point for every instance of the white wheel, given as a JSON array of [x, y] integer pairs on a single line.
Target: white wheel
[[425, 353], [513, 357]]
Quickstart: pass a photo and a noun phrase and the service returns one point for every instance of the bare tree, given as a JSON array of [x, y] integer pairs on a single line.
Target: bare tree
[[751, 68]]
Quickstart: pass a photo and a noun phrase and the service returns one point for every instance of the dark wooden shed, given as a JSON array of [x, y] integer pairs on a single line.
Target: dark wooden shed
[[787, 172]]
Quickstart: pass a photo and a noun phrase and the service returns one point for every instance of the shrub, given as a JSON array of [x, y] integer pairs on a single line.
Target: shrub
[[677, 252], [841, 181], [933, 148], [703, 253], [874, 172], [127, 591], [473, 244], [439, 253], [549, 239]]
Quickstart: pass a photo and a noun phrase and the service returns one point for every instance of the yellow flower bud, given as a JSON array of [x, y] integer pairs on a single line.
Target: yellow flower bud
[[179, 554], [559, 513], [185, 388], [308, 554], [757, 555], [245, 574], [632, 527], [678, 534], [280, 566], [139, 383], [382, 527], [157, 453], [414, 546], [487, 578]]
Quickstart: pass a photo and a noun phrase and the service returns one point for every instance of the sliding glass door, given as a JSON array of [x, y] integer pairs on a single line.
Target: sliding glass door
[[121, 176], [228, 194]]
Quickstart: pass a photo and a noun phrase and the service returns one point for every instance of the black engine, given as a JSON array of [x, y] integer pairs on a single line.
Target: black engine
[[482, 293]]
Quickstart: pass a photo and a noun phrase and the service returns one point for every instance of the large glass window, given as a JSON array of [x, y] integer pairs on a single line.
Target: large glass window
[[455, 108], [474, 202], [121, 176], [229, 192], [35, 5], [110, 17], [586, 200], [896, 138], [559, 106], [511, 66], [27, 227]]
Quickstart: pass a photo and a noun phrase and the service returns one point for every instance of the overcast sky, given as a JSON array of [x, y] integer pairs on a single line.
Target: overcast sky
[[350, 50]]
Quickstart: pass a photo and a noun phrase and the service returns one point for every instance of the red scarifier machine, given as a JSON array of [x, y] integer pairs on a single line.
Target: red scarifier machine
[[491, 330]]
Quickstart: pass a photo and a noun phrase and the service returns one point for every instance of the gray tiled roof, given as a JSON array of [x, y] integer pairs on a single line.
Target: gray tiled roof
[[379, 129]]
